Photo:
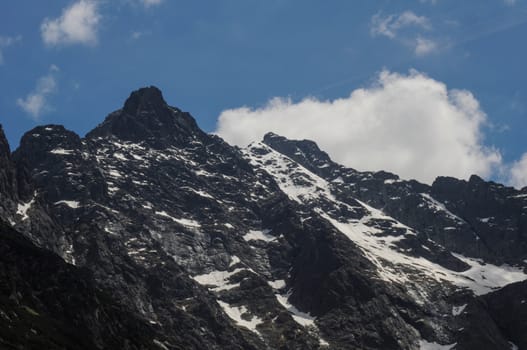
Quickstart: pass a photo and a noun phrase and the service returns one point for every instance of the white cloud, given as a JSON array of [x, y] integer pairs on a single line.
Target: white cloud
[[390, 25], [510, 2], [5, 42], [78, 24], [410, 124], [148, 3], [36, 102], [424, 46], [433, 2], [518, 172]]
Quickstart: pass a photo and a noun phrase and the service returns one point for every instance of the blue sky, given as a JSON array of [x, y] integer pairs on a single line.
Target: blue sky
[[72, 62]]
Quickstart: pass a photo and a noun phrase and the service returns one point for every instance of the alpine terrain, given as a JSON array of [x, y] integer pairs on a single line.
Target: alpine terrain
[[149, 233]]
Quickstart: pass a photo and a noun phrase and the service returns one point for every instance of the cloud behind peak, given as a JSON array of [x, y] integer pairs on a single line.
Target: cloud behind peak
[[409, 124]]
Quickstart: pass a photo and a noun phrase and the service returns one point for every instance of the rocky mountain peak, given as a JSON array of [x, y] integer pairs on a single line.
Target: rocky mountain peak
[[146, 117], [295, 147], [38, 142], [305, 152], [271, 136], [145, 99]]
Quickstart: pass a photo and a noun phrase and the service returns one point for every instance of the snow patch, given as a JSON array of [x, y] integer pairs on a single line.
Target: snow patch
[[24, 207], [391, 181], [120, 156], [424, 345], [115, 173], [277, 284], [458, 310], [300, 317], [188, 222], [181, 221], [485, 220], [239, 315], [198, 192], [234, 260], [488, 277], [338, 180], [258, 235], [71, 204], [219, 280], [62, 151], [203, 173]]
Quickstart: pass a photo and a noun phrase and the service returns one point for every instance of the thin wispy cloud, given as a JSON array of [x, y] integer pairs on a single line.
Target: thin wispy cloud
[[510, 2], [36, 102], [139, 34], [5, 42], [424, 46], [150, 3], [405, 28], [136, 35], [486, 28], [390, 25], [78, 24]]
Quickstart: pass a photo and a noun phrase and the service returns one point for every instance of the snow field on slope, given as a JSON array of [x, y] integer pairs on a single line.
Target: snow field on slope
[[379, 249]]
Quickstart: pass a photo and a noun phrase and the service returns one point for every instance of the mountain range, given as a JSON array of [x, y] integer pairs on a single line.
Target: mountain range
[[149, 233]]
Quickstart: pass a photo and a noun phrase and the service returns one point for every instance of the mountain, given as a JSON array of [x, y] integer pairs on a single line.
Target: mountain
[[49, 304], [181, 241]]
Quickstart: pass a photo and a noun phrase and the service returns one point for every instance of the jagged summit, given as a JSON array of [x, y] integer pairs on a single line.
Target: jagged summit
[[306, 152], [278, 141], [36, 143], [145, 99], [271, 135], [146, 117]]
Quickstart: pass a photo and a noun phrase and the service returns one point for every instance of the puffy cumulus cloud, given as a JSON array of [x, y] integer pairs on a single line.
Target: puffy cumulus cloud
[[5, 42], [36, 102], [518, 172], [78, 24], [409, 124]]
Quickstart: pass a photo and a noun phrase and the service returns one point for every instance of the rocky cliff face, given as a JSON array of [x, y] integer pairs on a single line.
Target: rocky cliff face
[[477, 218], [49, 304], [8, 181], [275, 246]]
